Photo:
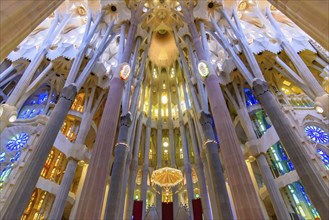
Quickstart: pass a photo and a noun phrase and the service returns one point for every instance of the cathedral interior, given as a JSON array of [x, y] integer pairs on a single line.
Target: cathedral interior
[[164, 109]]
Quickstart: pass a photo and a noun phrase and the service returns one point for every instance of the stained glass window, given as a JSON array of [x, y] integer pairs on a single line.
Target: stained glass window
[[4, 174], [302, 203], [18, 142], [324, 157], [280, 163], [2, 157], [317, 134], [260, 123], [250, 98], [15, 157], [37, 102]]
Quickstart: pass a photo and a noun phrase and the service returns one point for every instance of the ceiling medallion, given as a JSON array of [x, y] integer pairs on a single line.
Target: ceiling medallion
[[203, 69], [125, 71]]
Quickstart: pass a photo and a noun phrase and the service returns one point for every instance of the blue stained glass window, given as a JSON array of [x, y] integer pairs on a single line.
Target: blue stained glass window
[[53, 97], [250, 98], [36, 103], [317, 134], [42, 97], [291, 166], [5, 173], [324, 157], [2, 157], [18, 142], [279, 160], [304, 194], [16, 157]]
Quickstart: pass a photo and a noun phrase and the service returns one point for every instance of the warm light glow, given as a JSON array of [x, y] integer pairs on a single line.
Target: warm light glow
[[203, 69], [287, 83], [167, 177], [319, 109], [155, 73], [125, 71], [164, 99], [12, 118], [165, 144], [166, 151]]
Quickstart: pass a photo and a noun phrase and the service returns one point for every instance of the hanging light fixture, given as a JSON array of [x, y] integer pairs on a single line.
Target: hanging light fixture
[[167, 177]]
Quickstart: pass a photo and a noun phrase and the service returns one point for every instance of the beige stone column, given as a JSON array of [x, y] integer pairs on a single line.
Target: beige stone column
[[315, 186], [94, 188], [19, 18]]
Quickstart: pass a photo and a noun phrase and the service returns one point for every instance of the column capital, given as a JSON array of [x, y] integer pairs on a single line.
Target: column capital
[[259, 87], [125, 123], [78, 152], [69, 92], [148, 121], [254, 147], [125, 120], [205, 118]]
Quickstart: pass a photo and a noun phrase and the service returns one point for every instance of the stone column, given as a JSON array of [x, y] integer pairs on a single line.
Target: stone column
[[25, 184], [19, 19], [124, 186], [87, 117], [274, 193], [244, 194], [207, 213], [312, 181], [212, 194], [146, 164], [61, 196], [120, 156], [94, 188], [133, 173], [187, 169], [7, 71], [187, 165], [210, 187], [210, 146]]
